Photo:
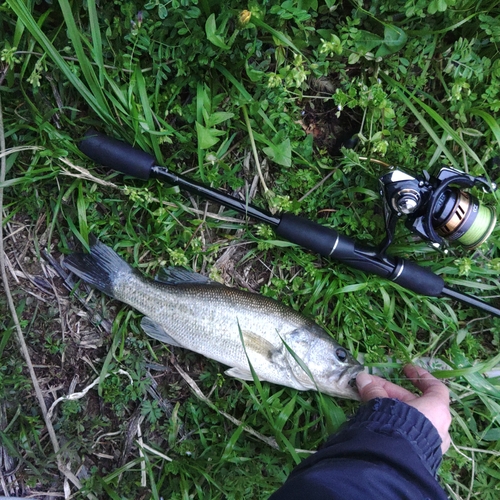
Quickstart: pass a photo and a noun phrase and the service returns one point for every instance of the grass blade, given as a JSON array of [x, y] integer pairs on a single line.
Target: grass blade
[[87, 69], [31, 25], [96, 39], [490, 121], [400, 91], [276, 34], [148, 113]]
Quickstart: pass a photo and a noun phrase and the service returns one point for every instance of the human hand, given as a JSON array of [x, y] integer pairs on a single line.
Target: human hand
[[434, 402]]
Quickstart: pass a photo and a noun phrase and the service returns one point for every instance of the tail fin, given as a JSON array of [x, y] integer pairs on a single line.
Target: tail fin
[[99, 268]]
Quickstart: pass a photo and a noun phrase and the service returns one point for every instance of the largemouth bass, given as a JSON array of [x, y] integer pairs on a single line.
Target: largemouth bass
[[234, 327]]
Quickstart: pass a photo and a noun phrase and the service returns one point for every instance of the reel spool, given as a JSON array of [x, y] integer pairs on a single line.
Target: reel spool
[[459, 216], [436, 208]]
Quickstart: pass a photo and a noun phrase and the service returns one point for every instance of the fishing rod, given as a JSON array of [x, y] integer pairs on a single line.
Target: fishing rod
[[325, 241]]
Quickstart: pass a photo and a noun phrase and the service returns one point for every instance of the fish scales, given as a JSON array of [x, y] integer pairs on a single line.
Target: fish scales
[[213, 320]]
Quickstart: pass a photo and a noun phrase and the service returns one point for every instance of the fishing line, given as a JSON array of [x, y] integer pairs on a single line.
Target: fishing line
[[485, 219]]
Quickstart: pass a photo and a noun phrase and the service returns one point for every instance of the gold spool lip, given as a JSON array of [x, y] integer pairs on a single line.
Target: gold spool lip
[[458, 214]]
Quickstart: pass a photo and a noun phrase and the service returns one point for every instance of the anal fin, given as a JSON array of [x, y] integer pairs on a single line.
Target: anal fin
[[239, 373]]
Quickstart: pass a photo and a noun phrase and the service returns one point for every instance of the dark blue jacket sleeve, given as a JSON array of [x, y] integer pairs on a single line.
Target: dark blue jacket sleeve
[[387, 451]]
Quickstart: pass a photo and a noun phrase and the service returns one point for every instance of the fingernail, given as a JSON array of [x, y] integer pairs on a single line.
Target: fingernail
[[363, 379]]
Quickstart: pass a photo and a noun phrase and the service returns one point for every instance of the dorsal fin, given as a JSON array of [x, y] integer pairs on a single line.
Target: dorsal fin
[[178, 275]]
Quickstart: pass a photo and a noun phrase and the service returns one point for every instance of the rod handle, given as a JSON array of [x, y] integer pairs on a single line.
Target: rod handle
[[117, 155], [330, 243]]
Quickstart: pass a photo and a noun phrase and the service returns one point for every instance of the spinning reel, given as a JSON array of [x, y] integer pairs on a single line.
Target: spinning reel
[[436, 208]]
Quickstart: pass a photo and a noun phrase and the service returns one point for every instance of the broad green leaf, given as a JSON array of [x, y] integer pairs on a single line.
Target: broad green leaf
[[162, 11], [218, 117], [368, 41], [394, 40], [432, 7], [207, 137], [231, 443], [308, 4], [254, 74], [353, 58], [211, 31], [491, 435], [325, 34], [334, 415], [284, 415], [441, 5], [281, 153]]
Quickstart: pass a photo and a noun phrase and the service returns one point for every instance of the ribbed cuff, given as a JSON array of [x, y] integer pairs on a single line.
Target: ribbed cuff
[[395, 418]]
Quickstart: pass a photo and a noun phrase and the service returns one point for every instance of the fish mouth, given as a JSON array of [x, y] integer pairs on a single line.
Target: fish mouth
[[350, 374], [346, 382], [352, 383]]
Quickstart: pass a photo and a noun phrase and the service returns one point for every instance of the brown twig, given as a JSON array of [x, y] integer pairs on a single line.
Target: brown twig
[[3, 73], [199, 394]]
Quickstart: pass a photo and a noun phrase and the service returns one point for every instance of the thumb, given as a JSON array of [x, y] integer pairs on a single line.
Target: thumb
[[368, 387]]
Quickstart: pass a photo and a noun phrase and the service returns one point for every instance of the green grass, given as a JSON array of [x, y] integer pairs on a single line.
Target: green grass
[[204, 90]]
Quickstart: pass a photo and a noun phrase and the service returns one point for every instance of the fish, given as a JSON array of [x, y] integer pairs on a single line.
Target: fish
[[243, 330]]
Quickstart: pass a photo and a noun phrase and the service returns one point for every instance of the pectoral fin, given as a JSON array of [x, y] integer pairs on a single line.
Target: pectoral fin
[[157, 331], [239, 373], [255, 344], [256, 348]]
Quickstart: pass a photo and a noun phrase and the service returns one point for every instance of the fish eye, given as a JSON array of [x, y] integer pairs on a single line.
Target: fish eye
[[341, 354]]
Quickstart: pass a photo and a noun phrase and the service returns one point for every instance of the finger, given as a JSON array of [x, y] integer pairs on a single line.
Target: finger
[[398, 392], [372, 386], [428, 384], [369, 387]]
